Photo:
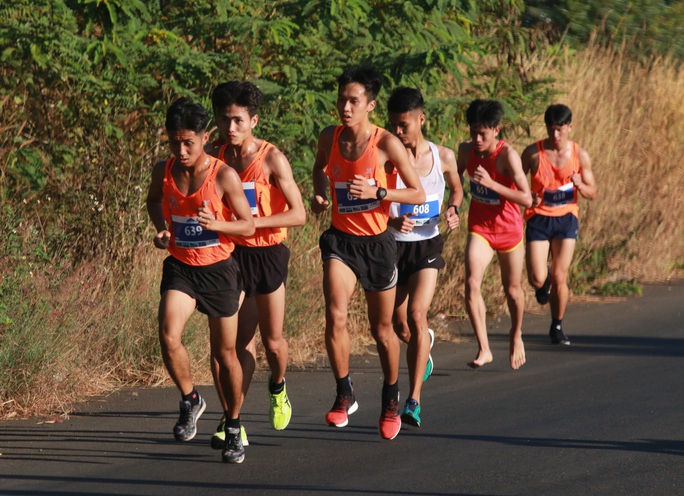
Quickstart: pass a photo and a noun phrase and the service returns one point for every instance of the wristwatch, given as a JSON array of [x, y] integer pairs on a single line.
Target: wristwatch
[[381, 193], [455, 207]]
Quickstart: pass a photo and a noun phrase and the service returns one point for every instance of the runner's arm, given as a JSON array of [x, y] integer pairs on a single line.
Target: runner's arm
[[584, 182], [392, 152], [512, 165], [530, 164], [281, 172], [155, 195], [453, 180], [319, 201], [229, 186]]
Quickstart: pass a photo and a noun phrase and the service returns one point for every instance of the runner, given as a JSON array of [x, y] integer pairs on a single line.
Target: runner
[[559, 169], [276, 204], [498, 186], [186, 202], [419, 243], [353, 160]]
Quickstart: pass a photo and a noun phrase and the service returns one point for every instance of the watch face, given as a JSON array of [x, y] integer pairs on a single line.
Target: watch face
[[382, 193]]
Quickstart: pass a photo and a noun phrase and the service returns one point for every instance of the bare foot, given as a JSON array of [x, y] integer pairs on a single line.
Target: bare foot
[[517, 352], [483, 358]]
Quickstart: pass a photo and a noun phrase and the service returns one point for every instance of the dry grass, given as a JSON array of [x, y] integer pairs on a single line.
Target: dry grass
[[628, 116]]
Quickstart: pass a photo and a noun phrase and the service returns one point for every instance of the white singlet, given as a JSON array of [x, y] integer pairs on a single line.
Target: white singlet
[[426, 215]]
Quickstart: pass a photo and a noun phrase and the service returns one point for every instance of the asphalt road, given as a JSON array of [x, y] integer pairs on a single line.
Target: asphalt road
[[602, 417]]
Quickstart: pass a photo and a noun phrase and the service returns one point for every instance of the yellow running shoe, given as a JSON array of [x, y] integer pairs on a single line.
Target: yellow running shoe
[[280, 411]]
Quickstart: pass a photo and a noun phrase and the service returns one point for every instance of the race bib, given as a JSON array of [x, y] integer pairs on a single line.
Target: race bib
[[346, 204], [425, 214], [484, 195], [559, 197], [189, 234], [250, 192]]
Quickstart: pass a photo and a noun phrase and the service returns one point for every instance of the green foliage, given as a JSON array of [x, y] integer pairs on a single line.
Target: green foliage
[[89, 81]]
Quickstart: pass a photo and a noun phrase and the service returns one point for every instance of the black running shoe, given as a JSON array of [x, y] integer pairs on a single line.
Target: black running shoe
[[233, 450], [557, 335], [542, 294], [186, 427]]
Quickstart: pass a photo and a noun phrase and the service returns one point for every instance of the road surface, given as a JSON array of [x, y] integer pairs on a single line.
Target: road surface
[[604, 416]]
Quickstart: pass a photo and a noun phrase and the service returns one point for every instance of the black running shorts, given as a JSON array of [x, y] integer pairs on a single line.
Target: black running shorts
[[545, 228], [371, 258], [413, 256], [216, 288], [264, 269]]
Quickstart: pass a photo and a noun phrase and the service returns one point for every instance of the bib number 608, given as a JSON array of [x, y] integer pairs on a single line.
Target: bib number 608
[[421, 209]]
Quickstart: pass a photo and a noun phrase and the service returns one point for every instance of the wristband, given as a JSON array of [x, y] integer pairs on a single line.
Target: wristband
[[455, 207]]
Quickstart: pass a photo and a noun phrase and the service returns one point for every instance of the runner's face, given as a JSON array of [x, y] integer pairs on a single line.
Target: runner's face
[[484, 138], [559, 135], [407, 126], [235, 124], [188, 146], [353, 106]]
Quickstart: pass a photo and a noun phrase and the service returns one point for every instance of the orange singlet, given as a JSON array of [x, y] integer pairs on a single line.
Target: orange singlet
[[554, 185], [190, 243], [493, 218], [264, 199], [349, 215]]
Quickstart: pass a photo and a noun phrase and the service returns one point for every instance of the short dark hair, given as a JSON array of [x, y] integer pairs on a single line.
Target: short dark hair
[[558, 115], [404, 99], [366, 76], [183, 114], [487, 113], [240, 93]]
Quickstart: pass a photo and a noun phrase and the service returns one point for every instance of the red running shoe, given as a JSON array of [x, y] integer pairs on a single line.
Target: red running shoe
[[390, 422], [344, 405]]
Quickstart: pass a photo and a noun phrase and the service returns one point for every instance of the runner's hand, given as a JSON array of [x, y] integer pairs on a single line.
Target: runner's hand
[[162, 240], [319, 204], [360, 189], [452, 218], [482, 177], [407, 223]]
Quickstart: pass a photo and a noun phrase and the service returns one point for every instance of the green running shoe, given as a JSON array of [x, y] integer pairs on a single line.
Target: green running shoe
[[430, 363], [219, 437], [411, 414], [280, 411]]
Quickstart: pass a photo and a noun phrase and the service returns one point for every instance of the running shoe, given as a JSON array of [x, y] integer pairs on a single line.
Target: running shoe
[[558, 336], [280, 411], [542, 294], [218, 439], [411, 414], [390, 423], [344, 405], [186, 427], [233, 449], [430, 363]]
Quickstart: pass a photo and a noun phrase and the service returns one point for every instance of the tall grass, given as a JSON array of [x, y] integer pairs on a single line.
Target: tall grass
[[68, 334]]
